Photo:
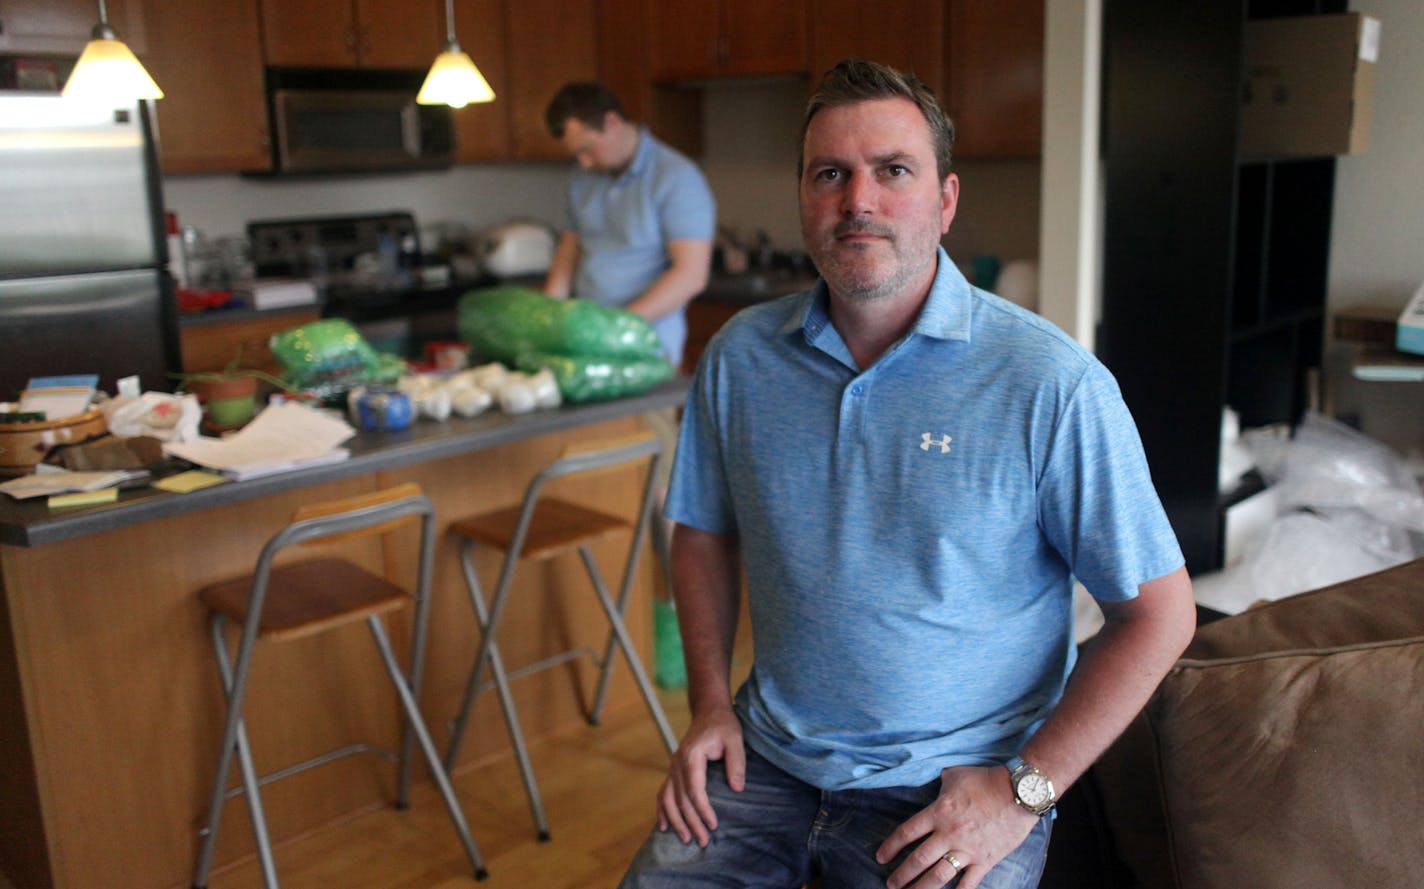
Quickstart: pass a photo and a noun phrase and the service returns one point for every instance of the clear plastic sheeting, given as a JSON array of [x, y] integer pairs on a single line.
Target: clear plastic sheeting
[[1347, 506]]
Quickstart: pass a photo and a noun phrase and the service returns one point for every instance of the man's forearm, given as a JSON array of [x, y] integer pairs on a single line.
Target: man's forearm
[[1115, 677], [560, 279], [684, 279], [707, 588]]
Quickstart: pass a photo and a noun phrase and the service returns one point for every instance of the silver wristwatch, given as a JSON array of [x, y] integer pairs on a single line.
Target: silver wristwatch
[[1032, 789]]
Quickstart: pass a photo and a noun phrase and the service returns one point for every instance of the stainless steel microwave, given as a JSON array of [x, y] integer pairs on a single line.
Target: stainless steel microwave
[[355, 128]]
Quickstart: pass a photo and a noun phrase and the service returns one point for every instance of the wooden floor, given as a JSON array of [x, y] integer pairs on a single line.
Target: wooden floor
[[598, 785]]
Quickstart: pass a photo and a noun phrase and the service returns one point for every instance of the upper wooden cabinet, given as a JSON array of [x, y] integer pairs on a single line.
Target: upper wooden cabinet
[[995, 78], [343, 33], [527, 49], [911, 39], [207, 57], [482, 131], [700, 38], [64, 26], [551, 42]]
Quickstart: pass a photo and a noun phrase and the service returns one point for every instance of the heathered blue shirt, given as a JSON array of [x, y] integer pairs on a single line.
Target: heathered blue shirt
[[910, 530], [624, 223]]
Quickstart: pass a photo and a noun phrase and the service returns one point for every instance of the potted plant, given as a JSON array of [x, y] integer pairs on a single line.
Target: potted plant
[[228, 396]]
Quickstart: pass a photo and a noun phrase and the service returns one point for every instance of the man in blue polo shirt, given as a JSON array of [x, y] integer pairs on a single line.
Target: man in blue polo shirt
[[641, 218], [911, 472]]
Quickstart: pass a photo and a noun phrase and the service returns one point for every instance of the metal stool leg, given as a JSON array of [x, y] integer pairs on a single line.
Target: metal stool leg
[[620, 632], [234, 739], [489, 648], [417, 725]]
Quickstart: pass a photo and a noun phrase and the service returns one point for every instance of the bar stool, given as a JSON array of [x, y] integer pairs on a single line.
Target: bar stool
[[301, 599], [540, 528]]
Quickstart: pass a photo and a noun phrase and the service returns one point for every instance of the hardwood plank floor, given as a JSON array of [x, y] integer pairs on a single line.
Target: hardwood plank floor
[[598, 785]]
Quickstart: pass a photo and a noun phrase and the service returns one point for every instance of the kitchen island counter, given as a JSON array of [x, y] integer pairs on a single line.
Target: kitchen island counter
[[33, 523], [110, 704]]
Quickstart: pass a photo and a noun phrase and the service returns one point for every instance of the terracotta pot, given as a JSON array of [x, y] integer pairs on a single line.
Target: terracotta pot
[[228, 402]]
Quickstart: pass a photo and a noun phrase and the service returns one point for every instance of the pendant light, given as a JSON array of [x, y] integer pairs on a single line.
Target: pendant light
[[108, 71], [453, 79]]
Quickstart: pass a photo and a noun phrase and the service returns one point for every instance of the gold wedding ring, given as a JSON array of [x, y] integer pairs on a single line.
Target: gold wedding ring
[[953, 862]]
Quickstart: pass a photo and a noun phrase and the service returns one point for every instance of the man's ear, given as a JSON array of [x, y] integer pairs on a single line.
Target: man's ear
[[948, 201]]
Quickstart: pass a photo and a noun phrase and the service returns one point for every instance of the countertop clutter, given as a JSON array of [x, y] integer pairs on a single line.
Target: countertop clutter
[[28, 523]]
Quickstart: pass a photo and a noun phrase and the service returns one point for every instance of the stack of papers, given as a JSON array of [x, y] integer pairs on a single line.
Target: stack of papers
[[283, 437], [276, 293], [59, 397], [46, 483]]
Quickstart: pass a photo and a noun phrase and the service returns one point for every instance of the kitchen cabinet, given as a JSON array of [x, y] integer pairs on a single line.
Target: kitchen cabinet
[[695, 38], [985, 61], [482, 132], [527, 49], [911, 40], [344, 33], [994, 78], [207, 57], [1214, 267], [211, 344], [551, 42], [64, 26], [673, 112]]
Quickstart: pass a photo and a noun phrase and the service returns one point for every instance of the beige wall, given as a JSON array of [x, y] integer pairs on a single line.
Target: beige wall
[[1377, 242]]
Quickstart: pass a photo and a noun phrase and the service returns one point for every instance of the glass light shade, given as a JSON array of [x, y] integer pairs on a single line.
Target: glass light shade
[[107, 70], [455, 81]]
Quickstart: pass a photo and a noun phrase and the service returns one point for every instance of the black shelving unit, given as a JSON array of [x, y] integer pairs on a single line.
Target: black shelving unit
[[1214, 271]]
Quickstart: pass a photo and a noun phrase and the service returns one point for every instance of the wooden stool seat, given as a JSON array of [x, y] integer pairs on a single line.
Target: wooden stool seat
[[308, 597], [557, 526]]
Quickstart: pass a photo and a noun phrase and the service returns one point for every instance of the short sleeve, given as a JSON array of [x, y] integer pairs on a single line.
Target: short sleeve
[[1097, 503], [688, 210], [698, 493]]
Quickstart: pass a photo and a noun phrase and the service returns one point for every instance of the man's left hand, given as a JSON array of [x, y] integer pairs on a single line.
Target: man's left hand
[[974, 818]]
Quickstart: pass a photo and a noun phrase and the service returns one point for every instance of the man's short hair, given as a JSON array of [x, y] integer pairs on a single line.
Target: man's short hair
[[853, 81], [585, 101]]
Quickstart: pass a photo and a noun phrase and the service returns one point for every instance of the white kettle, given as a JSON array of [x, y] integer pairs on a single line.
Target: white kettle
[[514, 248]]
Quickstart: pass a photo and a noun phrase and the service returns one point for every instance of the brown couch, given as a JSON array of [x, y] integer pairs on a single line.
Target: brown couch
[[1285, 749]]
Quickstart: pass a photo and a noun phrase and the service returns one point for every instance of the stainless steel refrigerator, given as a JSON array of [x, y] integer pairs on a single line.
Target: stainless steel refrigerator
[[83, 280]]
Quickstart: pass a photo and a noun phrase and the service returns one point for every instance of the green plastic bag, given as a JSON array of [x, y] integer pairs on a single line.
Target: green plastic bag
[[595, 352], [330, 356], [597, 379]]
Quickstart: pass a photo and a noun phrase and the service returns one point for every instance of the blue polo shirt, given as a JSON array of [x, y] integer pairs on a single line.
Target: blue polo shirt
[[624, 223], [910, 530]]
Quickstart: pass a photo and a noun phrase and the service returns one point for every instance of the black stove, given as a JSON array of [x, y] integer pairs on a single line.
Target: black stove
[[347, 256]]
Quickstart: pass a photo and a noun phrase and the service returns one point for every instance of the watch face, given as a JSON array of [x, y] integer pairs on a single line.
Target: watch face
[[1035, 790]]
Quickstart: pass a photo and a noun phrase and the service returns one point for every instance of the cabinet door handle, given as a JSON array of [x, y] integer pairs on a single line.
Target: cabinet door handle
[[724, 49]]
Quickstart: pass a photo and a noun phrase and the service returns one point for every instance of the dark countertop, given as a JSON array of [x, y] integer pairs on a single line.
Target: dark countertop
[[756, 286], [33, 523]]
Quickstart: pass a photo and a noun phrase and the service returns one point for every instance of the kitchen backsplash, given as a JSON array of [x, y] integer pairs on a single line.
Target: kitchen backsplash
[[751, 130]]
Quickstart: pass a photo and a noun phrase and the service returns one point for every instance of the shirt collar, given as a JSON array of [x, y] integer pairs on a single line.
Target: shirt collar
[[642, 156], [945, 314]]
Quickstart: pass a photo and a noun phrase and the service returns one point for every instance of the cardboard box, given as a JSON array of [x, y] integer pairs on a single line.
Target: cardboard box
[[1309, 89]]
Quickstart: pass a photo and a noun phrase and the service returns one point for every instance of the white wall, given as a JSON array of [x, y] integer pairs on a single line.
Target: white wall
[[1377, 241], [474, 196]]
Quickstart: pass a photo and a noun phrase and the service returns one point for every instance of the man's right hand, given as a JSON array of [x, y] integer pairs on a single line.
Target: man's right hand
[[682, 801]]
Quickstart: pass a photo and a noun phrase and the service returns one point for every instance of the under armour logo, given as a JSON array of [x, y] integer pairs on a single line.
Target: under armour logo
[[927, 439]]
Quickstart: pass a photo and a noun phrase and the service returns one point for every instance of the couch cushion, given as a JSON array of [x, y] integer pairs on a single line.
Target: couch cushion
[[1285, 749]]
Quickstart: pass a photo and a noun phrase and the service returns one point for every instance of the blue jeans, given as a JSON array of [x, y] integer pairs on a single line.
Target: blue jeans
[[779, 832]]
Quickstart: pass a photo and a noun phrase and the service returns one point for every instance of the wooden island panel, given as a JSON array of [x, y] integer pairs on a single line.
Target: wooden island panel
[[111, 706]]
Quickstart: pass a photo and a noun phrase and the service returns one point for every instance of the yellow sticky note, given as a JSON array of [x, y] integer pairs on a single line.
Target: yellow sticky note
[[84, 498], [191, 480]]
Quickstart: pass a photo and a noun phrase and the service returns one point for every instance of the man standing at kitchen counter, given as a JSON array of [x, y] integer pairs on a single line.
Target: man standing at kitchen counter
[[912, 472], [641, 217]]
